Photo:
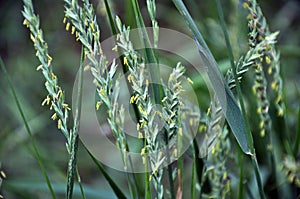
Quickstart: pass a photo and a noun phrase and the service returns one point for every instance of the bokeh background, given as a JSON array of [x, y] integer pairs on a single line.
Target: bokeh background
[[24, 179]]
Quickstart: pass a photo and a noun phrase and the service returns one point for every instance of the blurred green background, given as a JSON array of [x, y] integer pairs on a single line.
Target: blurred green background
[[24, 179]]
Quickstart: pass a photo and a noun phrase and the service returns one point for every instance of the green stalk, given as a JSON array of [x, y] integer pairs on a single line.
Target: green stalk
[[224, 95], [35, 150], [111, 19], [155, 77], [150, 56], [170, 176], [125, 70], [124, 67], [129, 15], [80, 184], [74, 133], [180, 159], [241, 175], [147, 184], [249, 135], [194, 181]]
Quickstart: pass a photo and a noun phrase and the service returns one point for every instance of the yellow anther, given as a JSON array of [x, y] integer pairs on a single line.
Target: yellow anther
[[270, 70], [202, 128], [87, 67], [130, 78], [98, 104], [262, 133], [115, 48], [53, 76], [259, 110], [46, 101], [132, 99], [190, 81], [26, 23], [59, 123], [150, 178], [66, 106], [208, 111], [93, 26], [268, 60], [245, 5], [259, 67], [280, 112], [32, 38], [274, 85], [102, 91], [54, 116], [125, 61], [68, 26], [213, 150], [140, 135], [39, 67], [163, 100], [3, 174], [261, 124], [73, 30]]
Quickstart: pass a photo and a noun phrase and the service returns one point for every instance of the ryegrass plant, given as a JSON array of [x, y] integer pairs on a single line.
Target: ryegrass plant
[[211, 175]]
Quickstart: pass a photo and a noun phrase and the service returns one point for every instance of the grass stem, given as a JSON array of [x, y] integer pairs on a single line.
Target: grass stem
[[240, 96]]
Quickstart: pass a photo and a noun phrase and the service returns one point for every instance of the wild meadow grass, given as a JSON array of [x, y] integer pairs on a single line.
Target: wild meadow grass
[[248, 159]]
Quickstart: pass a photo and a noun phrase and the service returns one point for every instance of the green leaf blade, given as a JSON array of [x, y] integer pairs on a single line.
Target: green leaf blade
[[232, 111]]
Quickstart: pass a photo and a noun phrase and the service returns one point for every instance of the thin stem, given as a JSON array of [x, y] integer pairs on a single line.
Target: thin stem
[[194, 181], [241, 175], [170, 176], [35, 150], [150, 56], [249, 135], [74, 133], [80, 184]]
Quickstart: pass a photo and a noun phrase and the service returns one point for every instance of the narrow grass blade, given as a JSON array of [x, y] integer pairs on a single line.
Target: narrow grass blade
[[241, 175], [110, 17], [194, 181], [135, 108], [249, 135], [297, 140], [180, 162], [129, 15], [74, 133], [124, 67], [150, 56], [155, 77], [113, 185], [80, 184], [233, 113], [35, 150]]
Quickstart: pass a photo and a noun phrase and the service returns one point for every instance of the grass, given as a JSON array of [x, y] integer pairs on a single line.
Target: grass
[[240, 148]]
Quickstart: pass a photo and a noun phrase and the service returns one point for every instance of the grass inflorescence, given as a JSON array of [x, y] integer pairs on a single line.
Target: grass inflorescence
[[213, 168]]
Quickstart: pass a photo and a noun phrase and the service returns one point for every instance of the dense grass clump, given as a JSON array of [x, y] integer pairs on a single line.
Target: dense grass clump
[[234, 141]]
